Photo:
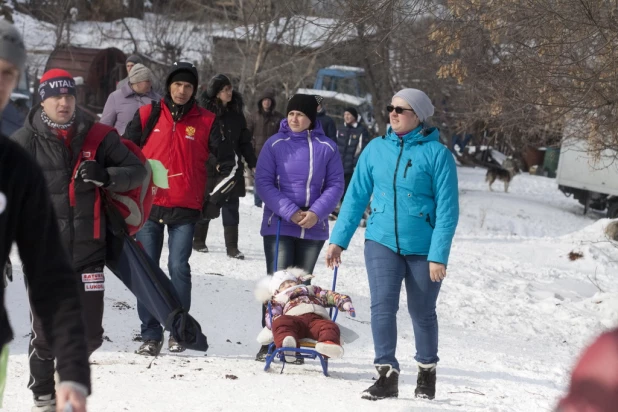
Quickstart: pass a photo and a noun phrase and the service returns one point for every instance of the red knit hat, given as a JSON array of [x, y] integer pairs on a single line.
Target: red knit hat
[[56, 82]]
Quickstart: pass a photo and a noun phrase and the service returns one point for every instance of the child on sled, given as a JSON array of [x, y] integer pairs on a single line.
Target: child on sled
[[299, 312]]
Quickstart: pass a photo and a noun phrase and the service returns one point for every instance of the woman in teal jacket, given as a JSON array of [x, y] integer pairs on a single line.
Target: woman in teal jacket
[[411, 179]]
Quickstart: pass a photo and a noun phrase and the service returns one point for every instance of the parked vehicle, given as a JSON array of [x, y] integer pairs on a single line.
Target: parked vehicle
[[341, 87], [591, 179]]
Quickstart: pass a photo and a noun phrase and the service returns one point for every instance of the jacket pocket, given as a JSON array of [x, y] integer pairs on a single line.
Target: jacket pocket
[[421, 212], [376, 210]]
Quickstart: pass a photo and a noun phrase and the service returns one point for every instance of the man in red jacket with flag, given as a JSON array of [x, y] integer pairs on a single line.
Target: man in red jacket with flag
[[182, 136]]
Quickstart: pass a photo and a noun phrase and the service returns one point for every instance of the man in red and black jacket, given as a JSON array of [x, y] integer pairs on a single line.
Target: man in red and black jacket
[[54, 133], [181, 135]]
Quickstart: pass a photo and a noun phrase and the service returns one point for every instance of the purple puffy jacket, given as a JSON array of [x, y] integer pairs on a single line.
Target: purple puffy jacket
[[294, 171]]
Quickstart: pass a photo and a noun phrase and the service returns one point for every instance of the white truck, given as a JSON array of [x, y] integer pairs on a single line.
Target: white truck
[[591, 179]]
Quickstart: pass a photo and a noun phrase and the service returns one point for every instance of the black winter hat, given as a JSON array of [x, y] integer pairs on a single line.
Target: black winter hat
[[182, 72], [306, 104], [216, 84], [352, 111]]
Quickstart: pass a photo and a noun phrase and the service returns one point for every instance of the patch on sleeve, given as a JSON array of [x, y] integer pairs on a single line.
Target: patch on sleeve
[[93, 277], [94, 287]]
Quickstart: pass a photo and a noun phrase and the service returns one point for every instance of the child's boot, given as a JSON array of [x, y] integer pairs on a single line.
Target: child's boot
[[330, 349], [387, 385], [289, 342], [426, 381]]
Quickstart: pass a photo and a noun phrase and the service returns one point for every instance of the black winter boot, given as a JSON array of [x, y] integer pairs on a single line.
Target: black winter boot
[[261, 355], [199, 236], [426, 381], [387, 385], [230, 233]]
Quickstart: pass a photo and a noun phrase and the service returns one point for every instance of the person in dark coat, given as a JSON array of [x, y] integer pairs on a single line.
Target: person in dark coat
[[54, 134], [27, 218], [221, 99], [352, 138], [262, 124], [327, 122]]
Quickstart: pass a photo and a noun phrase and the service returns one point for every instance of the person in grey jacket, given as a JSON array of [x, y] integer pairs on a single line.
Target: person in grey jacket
[[122, 104]]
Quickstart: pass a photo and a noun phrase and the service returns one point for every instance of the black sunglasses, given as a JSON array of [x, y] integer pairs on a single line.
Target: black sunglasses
[[397, 109]]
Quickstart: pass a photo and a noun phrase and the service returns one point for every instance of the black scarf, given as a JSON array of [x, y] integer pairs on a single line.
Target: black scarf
[[178, 110]]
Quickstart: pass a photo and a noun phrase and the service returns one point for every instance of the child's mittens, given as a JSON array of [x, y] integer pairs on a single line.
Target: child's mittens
[[349, 308]]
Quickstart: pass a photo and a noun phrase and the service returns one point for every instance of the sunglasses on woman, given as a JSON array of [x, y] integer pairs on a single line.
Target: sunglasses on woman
[[397, 109]]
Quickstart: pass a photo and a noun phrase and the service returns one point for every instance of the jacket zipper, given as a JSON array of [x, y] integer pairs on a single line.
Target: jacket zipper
[[278, 187], [395, 195], [405, 172], [302, 230]]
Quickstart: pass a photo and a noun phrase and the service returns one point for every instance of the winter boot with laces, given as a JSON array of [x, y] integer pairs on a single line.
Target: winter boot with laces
[[230, 233], [387, 385], [174, 346], [44, 403], [261, 355], [150, 348], [426, 381]]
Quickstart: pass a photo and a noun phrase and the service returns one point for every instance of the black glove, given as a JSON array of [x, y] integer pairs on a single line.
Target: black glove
[[92, 172], [210, 211]]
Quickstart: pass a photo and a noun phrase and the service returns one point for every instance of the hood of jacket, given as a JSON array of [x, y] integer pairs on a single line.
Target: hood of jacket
[[268, 94], [214, 105]]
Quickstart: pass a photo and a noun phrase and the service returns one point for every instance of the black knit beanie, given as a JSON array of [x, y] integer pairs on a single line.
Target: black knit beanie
[[306, 104], [352, 111]]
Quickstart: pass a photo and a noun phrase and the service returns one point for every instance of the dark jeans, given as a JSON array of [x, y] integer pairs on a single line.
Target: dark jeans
[[347, 178], [229, 212], [40, 357], [301, 253], [180, 247], [386, 270]]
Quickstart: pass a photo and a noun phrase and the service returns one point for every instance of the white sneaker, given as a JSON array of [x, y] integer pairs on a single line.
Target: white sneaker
[[330, 349], [44, 403], [289, 342]]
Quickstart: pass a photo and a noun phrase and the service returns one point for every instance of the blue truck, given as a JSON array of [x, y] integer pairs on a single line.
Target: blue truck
[[341, 87]]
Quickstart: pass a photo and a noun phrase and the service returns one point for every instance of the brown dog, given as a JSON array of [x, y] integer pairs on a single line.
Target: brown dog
[[504, 175]]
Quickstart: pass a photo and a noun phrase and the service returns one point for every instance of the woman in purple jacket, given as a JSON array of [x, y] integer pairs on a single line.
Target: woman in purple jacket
[[299, 176]]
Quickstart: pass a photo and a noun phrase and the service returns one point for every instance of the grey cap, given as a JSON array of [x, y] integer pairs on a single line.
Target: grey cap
[[139, 73], [418, 101], [134, 58], [12, 47]]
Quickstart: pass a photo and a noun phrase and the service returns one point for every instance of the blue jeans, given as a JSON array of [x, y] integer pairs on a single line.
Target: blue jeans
[[386, 270], [180, 247]]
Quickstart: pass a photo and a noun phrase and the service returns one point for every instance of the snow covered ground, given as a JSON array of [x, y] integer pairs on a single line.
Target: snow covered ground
[[514, 313]]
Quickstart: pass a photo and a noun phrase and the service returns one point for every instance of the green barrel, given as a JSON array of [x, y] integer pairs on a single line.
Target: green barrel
[[550, 163]]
